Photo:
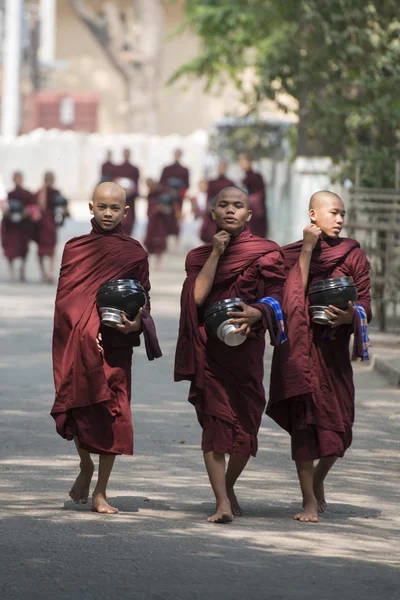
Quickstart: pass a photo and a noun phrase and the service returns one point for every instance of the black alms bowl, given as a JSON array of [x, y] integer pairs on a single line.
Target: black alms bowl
[[337, 291], [120, 296], [215, 322]]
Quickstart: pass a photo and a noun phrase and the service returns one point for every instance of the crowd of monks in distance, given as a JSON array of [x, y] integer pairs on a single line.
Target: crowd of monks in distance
[[28, 216]]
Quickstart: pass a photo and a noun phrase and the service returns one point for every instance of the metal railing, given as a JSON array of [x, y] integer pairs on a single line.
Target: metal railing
[[373, 218]]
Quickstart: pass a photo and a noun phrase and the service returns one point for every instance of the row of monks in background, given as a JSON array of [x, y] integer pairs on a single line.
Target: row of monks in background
[[165, 199], [36, 216]]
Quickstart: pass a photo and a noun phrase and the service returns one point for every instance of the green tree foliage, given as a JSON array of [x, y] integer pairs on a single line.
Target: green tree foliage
[[340, 59]]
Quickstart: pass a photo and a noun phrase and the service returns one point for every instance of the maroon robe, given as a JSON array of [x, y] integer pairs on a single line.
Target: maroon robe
[[45, 231], [312, 389], [227, 382], [257, 196], [107, 171], [93, 392], [157, 227], [209, 228], [180, 172], [15, 236], [129, 171]]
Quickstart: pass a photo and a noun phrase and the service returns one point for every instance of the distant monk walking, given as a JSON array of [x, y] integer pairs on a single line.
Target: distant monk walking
[[16, 226], [312, 388], [255, 186], [54, 210], [158, 211], [176, 178], [107, 168], [92, 362], [127, 176], [215, 186]]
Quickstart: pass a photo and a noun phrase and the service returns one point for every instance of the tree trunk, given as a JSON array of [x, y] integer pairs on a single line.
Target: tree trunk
[[132, 41]]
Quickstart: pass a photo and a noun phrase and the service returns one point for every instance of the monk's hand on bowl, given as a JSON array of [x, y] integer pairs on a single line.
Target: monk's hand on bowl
[[128, 326], [311, 235], [220, 242], [99, 341], [340, 317], [245, 319]]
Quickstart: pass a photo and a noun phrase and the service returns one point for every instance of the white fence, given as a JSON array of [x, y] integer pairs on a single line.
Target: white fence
[[75, 159]]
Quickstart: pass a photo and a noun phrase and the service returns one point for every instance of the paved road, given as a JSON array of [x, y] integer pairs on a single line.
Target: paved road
[[160, 547]]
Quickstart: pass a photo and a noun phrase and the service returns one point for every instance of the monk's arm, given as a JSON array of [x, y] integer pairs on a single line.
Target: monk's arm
[[205, 278], [310, 238]]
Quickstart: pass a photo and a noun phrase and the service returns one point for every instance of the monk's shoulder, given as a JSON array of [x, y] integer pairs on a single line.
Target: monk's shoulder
[[137, 247], [357, 258], [197, 257]]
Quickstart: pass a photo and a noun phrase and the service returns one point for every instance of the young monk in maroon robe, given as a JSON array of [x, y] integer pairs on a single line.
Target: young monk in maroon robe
[[127, 175], [208, 227], [312, 389], [157, 227], [46, 228], [255, 185], [227, 381], [107, 168], [176, 171], [16, 226], [92, 362]]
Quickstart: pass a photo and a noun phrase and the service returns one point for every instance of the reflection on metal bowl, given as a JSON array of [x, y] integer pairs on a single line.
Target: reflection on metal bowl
[[216, 322], [120, 296]]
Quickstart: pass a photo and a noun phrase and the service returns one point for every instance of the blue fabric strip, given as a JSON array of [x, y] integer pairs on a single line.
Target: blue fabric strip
[[274, 304]]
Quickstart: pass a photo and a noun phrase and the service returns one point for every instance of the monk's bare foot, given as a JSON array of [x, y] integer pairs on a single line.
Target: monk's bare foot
[[319, 492], [235, 506], [223, 514], [100, 504], [80, 490], [309, 514]]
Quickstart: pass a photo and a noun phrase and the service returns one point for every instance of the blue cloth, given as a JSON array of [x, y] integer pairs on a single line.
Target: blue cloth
[[276, 307], [364, 330]]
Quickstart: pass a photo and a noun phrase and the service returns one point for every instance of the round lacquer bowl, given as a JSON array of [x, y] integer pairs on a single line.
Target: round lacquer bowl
[[337, 291], [216, 322], [120, 296]]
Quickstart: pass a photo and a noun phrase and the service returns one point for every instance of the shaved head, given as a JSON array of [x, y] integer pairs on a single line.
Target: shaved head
[[327, 212], [232, 190], [111, 191], [323, 196]]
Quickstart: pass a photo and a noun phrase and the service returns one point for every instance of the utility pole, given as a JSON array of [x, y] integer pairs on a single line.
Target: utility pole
[[11, 93]]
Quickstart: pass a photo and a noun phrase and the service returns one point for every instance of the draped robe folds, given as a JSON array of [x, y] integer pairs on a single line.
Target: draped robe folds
[[93, 392], [227, 382], [255, 185], [178, 171], [209, 228], [129, 171], [312, 389], [45, 230], [157, 227], [15, 236]]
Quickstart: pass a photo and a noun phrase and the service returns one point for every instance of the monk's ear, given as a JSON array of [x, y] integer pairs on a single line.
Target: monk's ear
[[213, 212], [249, 215], [91, 207], [126, 209], [312, 215]]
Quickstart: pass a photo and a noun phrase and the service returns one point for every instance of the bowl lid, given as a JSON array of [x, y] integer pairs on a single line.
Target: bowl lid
[[329, 284], [221, 305]]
